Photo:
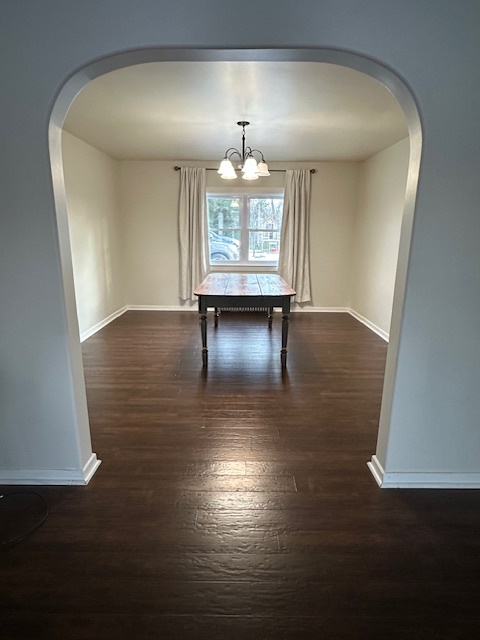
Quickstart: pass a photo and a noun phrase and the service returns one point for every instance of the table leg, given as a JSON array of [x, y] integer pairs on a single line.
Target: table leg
[[203, 329], [283, 352], [270, 317], [216, 317]]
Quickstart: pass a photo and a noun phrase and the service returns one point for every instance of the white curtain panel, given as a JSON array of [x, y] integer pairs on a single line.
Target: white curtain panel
[[294, 257], [192, 226]]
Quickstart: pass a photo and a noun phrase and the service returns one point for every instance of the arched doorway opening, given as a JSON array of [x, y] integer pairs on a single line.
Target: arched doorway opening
[[369, 67]]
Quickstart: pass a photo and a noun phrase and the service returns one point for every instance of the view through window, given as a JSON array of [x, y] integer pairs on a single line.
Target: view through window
[[244, 229]]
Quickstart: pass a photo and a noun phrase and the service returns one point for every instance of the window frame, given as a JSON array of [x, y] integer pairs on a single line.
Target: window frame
[[244, 192]]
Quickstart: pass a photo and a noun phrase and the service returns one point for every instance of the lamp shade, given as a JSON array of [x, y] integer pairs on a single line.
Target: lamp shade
[[263, 169], [250, 166], [226, 170], [250, 169]]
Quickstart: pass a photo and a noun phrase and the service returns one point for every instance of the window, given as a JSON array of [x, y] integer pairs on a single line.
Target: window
[[244, 228]]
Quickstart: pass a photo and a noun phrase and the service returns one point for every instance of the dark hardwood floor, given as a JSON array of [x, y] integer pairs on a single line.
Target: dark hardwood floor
[[235, 501]]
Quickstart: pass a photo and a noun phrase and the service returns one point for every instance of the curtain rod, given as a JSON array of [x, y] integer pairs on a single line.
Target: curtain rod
[[177, 168]]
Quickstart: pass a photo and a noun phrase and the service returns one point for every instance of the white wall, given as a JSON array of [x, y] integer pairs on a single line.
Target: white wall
[[91, 181], [378, 221], [332, 209], [149, 195]]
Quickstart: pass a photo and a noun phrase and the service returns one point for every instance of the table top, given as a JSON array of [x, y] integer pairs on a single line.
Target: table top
[[244, 284]]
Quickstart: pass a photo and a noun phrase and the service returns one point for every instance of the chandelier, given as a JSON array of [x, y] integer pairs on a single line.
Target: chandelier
[[250, 169]]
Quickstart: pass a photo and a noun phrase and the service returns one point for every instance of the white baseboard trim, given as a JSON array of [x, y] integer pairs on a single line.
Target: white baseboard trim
[[89, 332], [160, 307], [376, 469], [151, 307], [380, 332], [90, 468], [78, 477], [422, 479], [296, 309]]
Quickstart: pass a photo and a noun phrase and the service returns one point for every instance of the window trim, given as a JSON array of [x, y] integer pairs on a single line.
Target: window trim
[[249, 266]]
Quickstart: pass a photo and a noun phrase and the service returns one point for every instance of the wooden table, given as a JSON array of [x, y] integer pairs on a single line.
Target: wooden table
[[245, 290]]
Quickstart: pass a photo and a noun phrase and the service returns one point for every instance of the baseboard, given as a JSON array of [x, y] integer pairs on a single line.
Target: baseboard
[[159, 307], [422, 479], [79, 477], [380, 332], [194, 307], [90, 468], [376, 470], [296, 309], [89, 332]]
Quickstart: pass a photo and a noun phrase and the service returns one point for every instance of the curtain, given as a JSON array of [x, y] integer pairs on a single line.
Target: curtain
[[294, 257], [192, 226]]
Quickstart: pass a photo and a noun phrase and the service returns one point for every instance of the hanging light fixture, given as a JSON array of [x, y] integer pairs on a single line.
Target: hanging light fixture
[[250, 168]]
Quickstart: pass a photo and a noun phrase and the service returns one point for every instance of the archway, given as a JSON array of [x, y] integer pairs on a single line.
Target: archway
[[77, 82]]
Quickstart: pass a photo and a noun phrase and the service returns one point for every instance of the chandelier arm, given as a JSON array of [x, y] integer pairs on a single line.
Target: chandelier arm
[[252, 151], [233, 151]]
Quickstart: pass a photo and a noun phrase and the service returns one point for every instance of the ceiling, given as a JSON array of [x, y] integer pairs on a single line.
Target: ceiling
[[299, 111]]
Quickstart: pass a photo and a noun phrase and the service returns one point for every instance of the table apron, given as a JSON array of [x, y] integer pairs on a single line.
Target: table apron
[[227, 302]]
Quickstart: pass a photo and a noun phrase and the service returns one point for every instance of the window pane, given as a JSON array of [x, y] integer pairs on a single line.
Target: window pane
[[265, 213], [244, 228], [223, 229], [223, 213], [264, 245]]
